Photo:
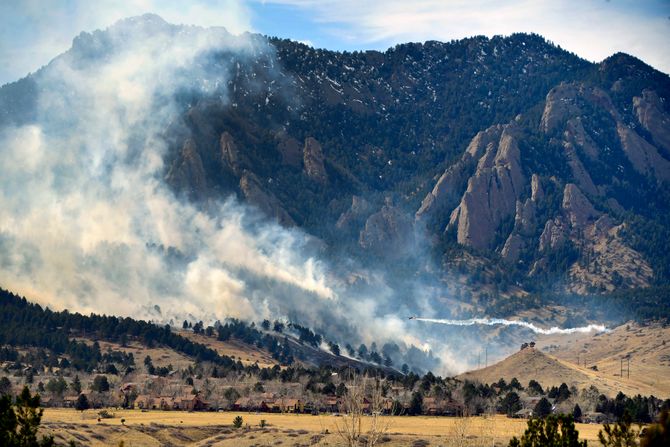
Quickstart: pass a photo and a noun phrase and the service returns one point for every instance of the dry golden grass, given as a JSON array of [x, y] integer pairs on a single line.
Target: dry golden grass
[[551, 370], [648, 347], [215, 429], [247, 354], [159, 356]]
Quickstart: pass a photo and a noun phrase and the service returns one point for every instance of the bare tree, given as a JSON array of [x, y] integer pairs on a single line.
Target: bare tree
[[362, 406], [461, 430]]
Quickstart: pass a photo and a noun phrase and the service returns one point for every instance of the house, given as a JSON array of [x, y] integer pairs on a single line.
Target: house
[[453, 408], [127, 387], [70, 401], [331, 404], [292, 406], [167, 403], [432, 406], [245, 404], [145, 402], [594, 418], [191, 403], [524, 413]]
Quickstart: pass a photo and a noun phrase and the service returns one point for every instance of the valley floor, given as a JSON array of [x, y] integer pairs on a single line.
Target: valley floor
[[164, 428]]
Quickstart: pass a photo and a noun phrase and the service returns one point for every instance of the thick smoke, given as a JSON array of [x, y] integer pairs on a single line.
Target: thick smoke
[[88, 223], [524, 324]]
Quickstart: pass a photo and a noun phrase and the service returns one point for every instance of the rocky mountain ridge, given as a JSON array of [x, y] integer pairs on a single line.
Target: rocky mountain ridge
[[537, 163]]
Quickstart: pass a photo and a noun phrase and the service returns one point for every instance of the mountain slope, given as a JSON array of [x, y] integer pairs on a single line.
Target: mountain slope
[[532, 364]]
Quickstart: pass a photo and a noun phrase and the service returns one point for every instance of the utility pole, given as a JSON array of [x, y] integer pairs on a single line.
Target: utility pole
[[479, 358], [487, 356]]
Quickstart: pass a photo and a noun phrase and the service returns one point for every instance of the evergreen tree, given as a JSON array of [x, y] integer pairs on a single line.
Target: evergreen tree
[[82, 403], [20, 421], [542, 409], [658, 434], [416, 404], [620, 434], [553, 431], [76, 384], [510, 404]]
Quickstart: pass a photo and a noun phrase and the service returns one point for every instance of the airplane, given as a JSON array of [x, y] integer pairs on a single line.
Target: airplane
[[412, 318]]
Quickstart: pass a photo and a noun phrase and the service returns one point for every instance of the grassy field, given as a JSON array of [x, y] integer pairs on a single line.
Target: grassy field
[[157, 428]]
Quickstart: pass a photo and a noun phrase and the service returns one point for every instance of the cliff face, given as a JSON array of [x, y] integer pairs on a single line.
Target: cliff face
[[313, 161], [388, 232], [600, 153], [492, 193], [187, 172], [649, 109]]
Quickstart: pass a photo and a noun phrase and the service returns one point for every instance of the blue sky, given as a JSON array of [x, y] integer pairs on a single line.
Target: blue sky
[[32, 32]]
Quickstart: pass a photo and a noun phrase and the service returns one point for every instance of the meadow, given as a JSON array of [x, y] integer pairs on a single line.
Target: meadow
[[154, 428]]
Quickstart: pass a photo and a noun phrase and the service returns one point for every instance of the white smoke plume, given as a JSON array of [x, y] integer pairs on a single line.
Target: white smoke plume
[[88, 223], [525, 324]]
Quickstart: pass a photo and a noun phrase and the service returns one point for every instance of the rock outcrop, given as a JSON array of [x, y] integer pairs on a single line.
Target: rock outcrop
[[650, 113], [451, 184], [560, 104], [231, 156], [643, 156], [290, 150], [254, 193], [606, 262], [313, 161], [389, 232], [524, 222], [492, 193], [358, 210], [187, 172], [577, 208]]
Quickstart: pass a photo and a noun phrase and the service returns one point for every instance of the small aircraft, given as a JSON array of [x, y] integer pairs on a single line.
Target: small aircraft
[[412, 318]]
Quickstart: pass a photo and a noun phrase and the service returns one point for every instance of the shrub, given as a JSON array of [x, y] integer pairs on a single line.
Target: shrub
[[237, 422], [553, 431]]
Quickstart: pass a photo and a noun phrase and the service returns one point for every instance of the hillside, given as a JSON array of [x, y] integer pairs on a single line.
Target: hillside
[[533, 364], [376, 152], [644, 348], [246, 178]]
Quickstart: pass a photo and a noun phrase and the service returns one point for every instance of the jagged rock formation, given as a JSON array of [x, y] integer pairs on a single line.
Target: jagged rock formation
[[449, 188], [255, 194], [606, 262], [427, 121], [231, 156], [524, 222], [358, 210], [643, 156], [389, 232], [313, 161], [491, 194], [650, 112], [187, 172]]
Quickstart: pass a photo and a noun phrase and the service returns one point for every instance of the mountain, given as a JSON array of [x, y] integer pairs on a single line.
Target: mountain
[[480, 176], [546, 167]]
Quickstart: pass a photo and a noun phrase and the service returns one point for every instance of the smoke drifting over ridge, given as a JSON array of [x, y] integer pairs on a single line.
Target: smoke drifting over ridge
[[89, 224], [87, 219]]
